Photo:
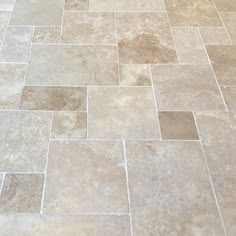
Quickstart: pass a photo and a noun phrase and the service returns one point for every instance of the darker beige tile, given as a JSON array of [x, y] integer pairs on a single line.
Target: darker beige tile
[[4, 18], [54, 98], [186, 87], [225, 6], [152, 5], [86, 177], [201, 13], [229, 93], [145, 38], [81, 5], [21, 193], [178, 125], [223, 60], [47, 35], [170, 191], [229, 19], [69, 125]]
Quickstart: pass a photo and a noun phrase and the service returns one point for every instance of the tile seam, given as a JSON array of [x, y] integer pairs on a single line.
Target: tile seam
[[1, 186]]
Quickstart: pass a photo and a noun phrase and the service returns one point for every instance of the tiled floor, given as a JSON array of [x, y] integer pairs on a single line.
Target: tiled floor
[[118, 117]]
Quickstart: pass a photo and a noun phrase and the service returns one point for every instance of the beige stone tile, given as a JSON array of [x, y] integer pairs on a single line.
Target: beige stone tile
[[69, 125], [225, 188], [214, 36], [81, 5], [16, 45], [152, 5], [24, 141], [189, 46], [4, 18], [99, 225], [7, 5], [1, 182], [54, 98], [225, 6], [201, 13], [72, 65], [178, 125], [37, 12], [47, 34], [145, 38], [11, 83], [217, 131], [186, 87], [122, 113], [229, 93], [135, 75], [229, 19], [223, 60], [88, 28], [21, 193], [170, 190], [86, 177]]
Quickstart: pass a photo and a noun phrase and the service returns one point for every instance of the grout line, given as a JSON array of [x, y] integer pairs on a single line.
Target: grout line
[[22, 173], [117, 11], [117, 50], [62, 19], [74, 44], [87, 114], [90, 86], [3, 178]]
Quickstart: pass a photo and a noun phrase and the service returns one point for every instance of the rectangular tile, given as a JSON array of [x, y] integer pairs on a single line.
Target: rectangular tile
[[152, 5], [225, 6], [72, 65], [86, 177], [170, 191], [229, 19], [122, 113], [145, 38], [47, 35], [7, 5], [229, 93], [54, 98], [4, 18], [80, 5]]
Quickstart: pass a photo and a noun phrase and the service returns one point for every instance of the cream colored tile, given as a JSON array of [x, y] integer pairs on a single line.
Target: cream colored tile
[[225, 6], [4, 18], [7, 5], [152, 5], [47, 34], [229, 19], [229, 93], [81, 5]]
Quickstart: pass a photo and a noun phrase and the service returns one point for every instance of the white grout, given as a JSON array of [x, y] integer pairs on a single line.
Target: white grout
[[62, 18], [1, 186]]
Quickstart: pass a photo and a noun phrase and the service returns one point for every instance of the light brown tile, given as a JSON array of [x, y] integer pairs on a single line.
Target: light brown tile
[[7, 5], [29, 225], [86, 177], [4, 18], [16, 44], [81, 5], [54, 98], [217, 131], [72, 65], [189, 46], [21, 193], [11, 83], [229, 93], [225, 188], [69, 125], [88, 28], [145, 38], [178, 125], [122, 113], [229, 19], [24, 141], [214, 36], [135, 75], [170, 191], [201, 13], [152, 5], [223, 60], [225, 6], [37, 12], [47, 35], [186, 87]]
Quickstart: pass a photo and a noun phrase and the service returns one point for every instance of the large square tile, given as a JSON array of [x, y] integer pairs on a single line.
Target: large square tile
[[80, 5], [229, 93], [4, 18], [225, 5], [229, 19], [47, 35], [152, 5], [7, 5]]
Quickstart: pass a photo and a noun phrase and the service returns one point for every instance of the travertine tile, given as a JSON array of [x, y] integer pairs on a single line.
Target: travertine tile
[[189, 46], [88, 28], [178, 125], [223, 60], [16, 44], [170, 191], [54, 98], [135, 75], [68, 125], [201, 13], [229, 93], [225, 188], [214, 36], [225, 5], [81, 5], [217, 131], [145, 38], [7, 5], [122, 113], [86, 177], [21, 193], [29, 225], [37, 12], [11, 83], [152, 5], [47, 34], [4, 18], [24, 141], [1, 182], [186, 87], [229, 19], [72, 65]]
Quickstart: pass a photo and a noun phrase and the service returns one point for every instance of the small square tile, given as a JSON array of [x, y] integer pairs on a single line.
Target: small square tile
[[88, 28], [4, 18], [7, 5], [69, 125], [229, 93], [135, 75], [54, 98], [225, 5], [80, 5], [178, 125], [47, 35], [21, 193], [229, 19], [86, 177], [152, 5], [122, 113]]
